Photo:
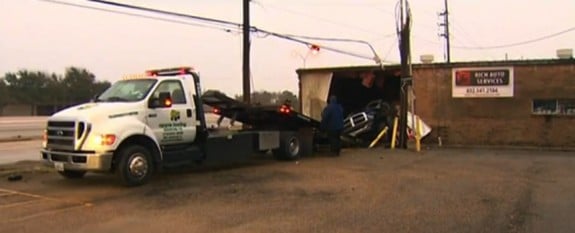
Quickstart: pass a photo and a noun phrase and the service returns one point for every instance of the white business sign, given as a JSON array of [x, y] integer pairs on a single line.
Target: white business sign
[[482, 82]]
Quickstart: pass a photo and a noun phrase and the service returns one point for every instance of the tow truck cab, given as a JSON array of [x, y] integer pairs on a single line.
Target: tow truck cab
[[142, 124]]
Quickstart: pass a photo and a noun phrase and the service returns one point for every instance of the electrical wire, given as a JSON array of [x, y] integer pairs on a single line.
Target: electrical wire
[[389, 51], [317, 18], [211, 20], [323, 46], [337, 40], [236, 24], [222, 23], [520, 43], [479, 47], [456, 26], [230, 30]]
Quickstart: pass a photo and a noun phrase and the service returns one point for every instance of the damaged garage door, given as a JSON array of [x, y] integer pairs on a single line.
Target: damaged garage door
[[314, 92]]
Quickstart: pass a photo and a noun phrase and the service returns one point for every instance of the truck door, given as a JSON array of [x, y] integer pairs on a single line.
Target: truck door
[[175, 124]]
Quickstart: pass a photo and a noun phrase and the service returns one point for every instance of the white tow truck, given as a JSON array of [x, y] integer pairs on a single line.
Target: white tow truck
[[141, 125]]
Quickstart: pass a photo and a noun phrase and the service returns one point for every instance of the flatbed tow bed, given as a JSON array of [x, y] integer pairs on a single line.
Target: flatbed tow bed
[[291, 133], [258, 116]]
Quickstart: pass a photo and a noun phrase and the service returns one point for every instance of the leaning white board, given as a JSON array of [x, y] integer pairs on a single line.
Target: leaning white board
[[411, 118]]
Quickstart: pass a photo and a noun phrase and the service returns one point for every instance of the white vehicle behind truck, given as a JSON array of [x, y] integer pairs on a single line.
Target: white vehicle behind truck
[[140, 125]]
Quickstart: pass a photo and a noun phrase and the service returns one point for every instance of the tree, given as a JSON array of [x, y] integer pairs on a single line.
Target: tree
[[28, 87], [100, 87], [272, 98], [38, 88], [77, 84], [57, 91], [4, 94], [81, 85], [288, 95], [263, 97]]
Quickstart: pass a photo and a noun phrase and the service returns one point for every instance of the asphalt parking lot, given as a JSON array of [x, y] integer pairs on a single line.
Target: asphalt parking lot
[[438, 190]]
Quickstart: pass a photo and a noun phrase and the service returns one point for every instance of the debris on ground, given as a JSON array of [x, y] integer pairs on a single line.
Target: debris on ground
[[14, 177]]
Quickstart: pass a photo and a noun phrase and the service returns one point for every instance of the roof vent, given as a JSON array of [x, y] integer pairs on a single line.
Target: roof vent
[[565, 53], [426, 58]]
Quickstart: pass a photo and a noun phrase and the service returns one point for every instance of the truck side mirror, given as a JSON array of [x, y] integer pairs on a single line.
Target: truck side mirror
[[94, 98], [164, 100]]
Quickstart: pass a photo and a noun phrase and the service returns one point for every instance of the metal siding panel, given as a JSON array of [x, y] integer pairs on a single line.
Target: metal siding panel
[[268, 140]]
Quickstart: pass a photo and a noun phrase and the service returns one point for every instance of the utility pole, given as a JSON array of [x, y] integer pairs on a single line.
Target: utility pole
[[406, 72], [246, 52], [445, 24]]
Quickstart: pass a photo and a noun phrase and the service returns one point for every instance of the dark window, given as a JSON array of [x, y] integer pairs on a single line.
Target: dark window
[[175, 88], [553, 106]]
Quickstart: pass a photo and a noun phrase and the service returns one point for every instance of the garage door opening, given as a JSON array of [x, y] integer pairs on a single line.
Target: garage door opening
[[369, 99], [355, 90]]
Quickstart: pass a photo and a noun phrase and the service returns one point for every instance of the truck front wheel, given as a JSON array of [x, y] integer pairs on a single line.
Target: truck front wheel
[[134, 165]]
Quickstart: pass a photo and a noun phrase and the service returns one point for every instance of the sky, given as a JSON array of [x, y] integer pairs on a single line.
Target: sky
[[44, 36]]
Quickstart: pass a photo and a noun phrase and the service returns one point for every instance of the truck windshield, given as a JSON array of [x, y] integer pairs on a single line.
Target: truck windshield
[[127, 91]]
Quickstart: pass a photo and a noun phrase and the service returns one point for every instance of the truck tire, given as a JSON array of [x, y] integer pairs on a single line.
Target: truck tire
[[134, 165], [290, 147], [69, 174]]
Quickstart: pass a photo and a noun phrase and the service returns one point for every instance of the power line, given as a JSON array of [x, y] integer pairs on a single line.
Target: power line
[[253, 28], [338, 40], [424, 39], [323, 46], [520, 43], [142, 16], [235, 26], [223, 22], [319, 18], [376, 57], [389, 50], [463, 31], [328, 21]]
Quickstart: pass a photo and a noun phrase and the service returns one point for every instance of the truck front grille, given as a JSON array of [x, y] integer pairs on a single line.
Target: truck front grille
[[64, 134]]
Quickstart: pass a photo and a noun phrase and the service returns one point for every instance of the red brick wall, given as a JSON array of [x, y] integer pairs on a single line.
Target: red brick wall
[[497, 121]]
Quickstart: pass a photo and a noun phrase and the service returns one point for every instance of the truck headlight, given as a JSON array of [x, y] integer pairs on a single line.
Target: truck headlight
[[105, 139], [45, 138]]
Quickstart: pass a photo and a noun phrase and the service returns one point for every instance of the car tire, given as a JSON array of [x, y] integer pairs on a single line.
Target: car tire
[[134, 165], [290, 147]]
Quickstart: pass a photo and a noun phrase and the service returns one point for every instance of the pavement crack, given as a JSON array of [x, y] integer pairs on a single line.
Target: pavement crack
[[519, 216], [518, 219]]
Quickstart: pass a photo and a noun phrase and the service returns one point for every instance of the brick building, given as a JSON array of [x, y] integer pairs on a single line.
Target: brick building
[[522, 102]]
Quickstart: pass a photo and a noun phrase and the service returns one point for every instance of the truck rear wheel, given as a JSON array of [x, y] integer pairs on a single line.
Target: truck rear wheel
[[290, 147], [72, 174], [134, 165]]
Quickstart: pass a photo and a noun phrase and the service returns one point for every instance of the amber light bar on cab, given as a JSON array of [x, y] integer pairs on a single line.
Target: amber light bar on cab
[[170, 71]]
